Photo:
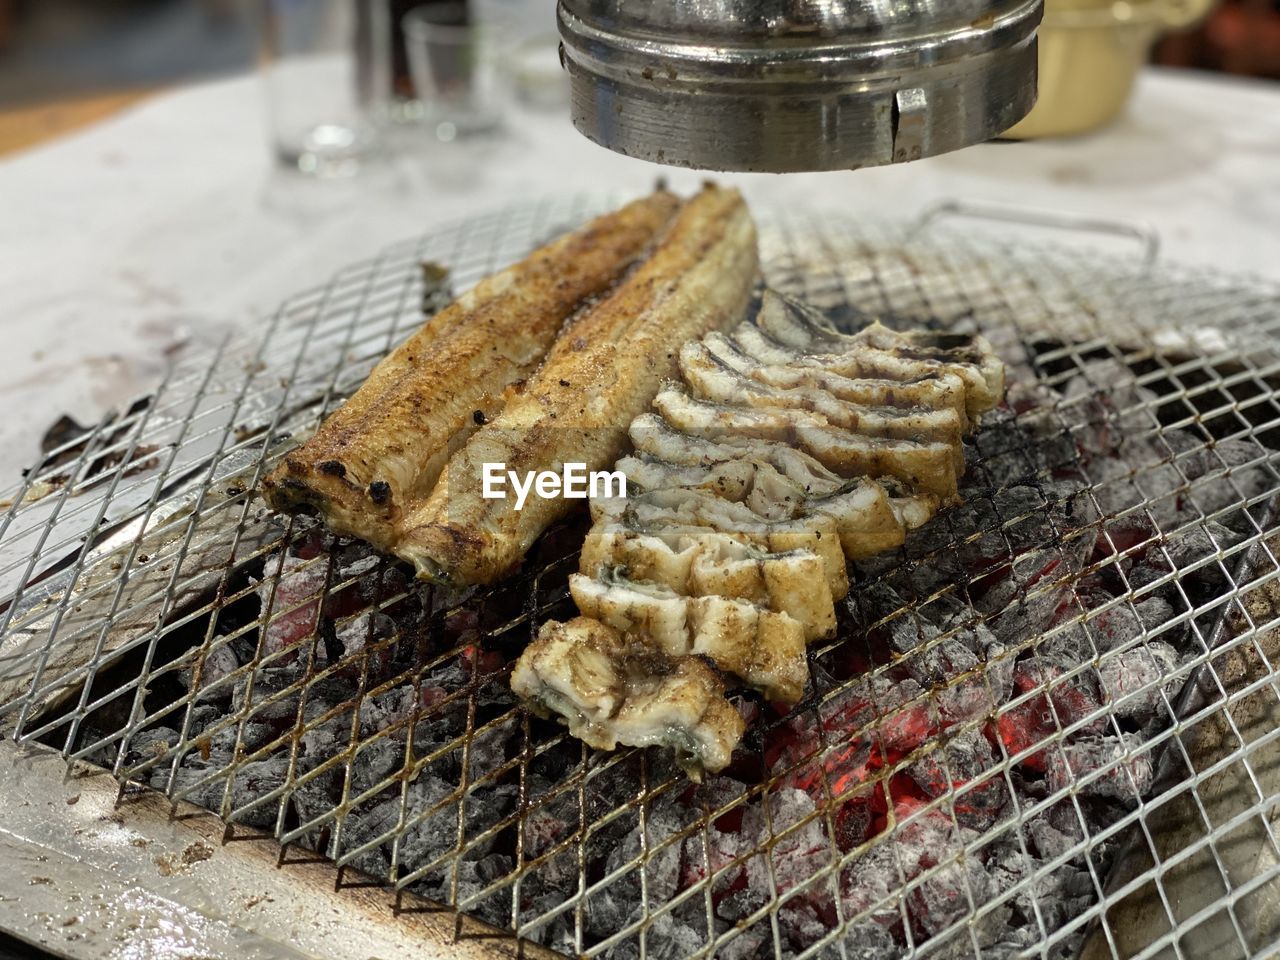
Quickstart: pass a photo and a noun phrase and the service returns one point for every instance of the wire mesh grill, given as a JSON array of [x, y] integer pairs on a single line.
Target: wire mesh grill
[[998, 712]]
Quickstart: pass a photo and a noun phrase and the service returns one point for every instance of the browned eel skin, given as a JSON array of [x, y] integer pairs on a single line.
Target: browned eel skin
[[382, 451], [603, 372]]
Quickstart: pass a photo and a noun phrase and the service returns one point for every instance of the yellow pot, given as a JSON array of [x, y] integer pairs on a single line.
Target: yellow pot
[[1090, 53]]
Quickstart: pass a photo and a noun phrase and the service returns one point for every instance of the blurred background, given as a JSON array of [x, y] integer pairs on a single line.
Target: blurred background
[[69, 49]]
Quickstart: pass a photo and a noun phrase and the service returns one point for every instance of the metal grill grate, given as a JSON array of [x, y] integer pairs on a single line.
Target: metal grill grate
[[920, 801]]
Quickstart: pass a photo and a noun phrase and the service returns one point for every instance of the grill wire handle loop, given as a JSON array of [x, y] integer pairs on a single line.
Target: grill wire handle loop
[[1144, 233]]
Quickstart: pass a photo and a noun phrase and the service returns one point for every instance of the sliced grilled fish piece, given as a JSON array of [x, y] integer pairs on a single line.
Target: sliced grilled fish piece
[[713, 564], [610, 689], [381, 452], [928, 466], [765, 649], [673, 511], [871, 516], [938, 391], [895, 371], [732, 480], [603, 372], [751, 481], [654, 437], [878, 351], [711, 380]]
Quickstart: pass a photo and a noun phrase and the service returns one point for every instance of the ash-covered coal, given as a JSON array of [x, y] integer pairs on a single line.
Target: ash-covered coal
[[985, 712]]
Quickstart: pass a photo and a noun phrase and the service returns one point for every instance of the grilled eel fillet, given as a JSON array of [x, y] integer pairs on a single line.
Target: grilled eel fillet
[[788, 449], [601, 374], [382, 451], [610, 689]]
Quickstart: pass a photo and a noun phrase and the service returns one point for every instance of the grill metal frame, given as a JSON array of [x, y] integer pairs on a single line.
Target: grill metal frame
[[145, 526]]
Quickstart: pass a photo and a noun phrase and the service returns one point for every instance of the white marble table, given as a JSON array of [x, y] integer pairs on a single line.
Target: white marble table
[[167, 226]]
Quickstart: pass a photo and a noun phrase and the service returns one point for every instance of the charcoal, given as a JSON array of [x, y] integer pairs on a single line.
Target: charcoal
[[549, 818], [1122, 414], [545, 826], [746, 945], [290, 592], [607, 910], [742, 903], [436, 833], [876, 602], [149, 744], [973, 633], [250, 736], [369, 627], [374, 763], [967, 699], [203, 715], [1073, 697], [437, 729], [1054, 832], [929, 657], [673, 935], [662, 868], [1155, 612], [474, 876], [322, 741], [1119, 486], [944, 899], [866, 940], [1187, 546], [800, 849], [384, 710], [1025, 515], [556, 934], [1125, 779], [1199, 541], [354, 558], [1013, 448], [484, 810], [369, 821], [904, 727], [735, 897], [1027, 601], [252, 781], [1001, 664], [1215, 492], [964, 758], [489, 749], [216, 665], [1134, 681], [1055, 896], [188, 775], [1120, 625], [868, 885], [267, 682], [317, 796]]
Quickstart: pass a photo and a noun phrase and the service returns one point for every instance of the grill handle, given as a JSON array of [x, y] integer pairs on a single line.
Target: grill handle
[[1143, 233]]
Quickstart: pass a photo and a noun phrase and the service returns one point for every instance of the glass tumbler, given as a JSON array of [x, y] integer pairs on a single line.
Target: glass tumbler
[[326, 76], [453, 62]]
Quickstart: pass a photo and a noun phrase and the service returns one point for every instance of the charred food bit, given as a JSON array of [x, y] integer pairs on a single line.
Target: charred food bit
[[382, 451]]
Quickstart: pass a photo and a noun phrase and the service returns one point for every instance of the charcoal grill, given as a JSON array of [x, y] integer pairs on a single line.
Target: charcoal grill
[[1047, 726]]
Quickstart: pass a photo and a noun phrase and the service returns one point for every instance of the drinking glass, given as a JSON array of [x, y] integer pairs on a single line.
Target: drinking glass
[[453, 62], [326, 75]]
